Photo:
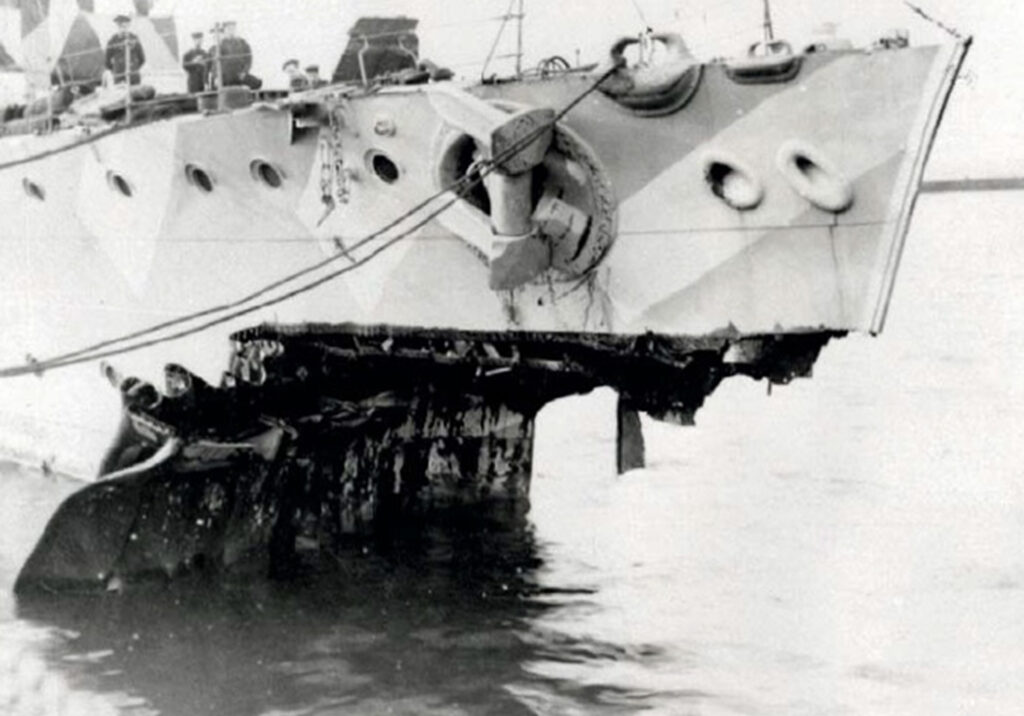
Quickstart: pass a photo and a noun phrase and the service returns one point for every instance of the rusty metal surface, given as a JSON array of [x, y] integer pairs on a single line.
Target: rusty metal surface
[[320, 432]]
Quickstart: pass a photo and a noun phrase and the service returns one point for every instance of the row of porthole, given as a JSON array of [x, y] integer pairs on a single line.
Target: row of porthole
[[271, 176], [808, 171], [261, 171]]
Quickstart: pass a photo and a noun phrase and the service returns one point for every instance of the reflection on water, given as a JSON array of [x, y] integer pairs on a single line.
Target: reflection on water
[[436, 620]]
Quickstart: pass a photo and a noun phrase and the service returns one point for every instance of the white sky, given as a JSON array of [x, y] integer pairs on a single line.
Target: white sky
[[983, 133]]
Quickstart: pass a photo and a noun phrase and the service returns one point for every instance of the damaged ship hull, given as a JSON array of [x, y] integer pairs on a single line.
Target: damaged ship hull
[[322, 433], [356, 300], [694, 221]]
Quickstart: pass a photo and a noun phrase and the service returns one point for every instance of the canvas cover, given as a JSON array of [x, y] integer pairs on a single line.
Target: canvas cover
[[391, 39]]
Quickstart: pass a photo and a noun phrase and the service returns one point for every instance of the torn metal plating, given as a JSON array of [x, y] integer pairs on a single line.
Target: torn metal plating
[[322, 431]]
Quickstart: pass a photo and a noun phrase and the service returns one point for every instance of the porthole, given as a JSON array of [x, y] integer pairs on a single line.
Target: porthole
[[118, 183], [814, 177], [199, 178], [33, 190], [266, 173], [382, 165], [732, 182]]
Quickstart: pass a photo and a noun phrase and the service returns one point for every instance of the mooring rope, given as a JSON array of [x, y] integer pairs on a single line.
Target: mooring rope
[[90, 139], [460, 187]]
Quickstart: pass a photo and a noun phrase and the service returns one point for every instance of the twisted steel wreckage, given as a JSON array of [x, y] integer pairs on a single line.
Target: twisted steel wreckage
[[405, 269]]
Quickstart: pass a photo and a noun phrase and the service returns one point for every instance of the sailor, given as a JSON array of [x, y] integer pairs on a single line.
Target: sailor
[[313, 77], [197, 64], [296, 80], [234, 57], [124, 55]]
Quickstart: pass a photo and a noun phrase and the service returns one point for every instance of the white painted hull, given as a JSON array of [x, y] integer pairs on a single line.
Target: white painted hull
[[88, 264]]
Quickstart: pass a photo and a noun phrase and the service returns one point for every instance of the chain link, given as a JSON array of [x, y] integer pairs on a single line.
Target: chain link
[[334, 189]]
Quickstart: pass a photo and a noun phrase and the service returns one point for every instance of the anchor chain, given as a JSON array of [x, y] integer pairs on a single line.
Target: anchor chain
[[334, 177]]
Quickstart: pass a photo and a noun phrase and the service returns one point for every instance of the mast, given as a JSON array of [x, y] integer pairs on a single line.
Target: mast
[[519, 40], [769, 35], [127, 81]]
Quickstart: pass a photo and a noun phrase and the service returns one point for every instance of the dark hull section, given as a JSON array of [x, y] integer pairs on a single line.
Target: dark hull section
[[158, 520], [321, 432]]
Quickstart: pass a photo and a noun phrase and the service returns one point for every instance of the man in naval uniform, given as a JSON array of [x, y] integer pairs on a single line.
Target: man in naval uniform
[[197, 64], [296, 80], [124, 55], [313, 77], [234, 56]]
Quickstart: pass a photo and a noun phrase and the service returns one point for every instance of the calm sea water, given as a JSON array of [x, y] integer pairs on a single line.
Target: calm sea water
[[853, 544]]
